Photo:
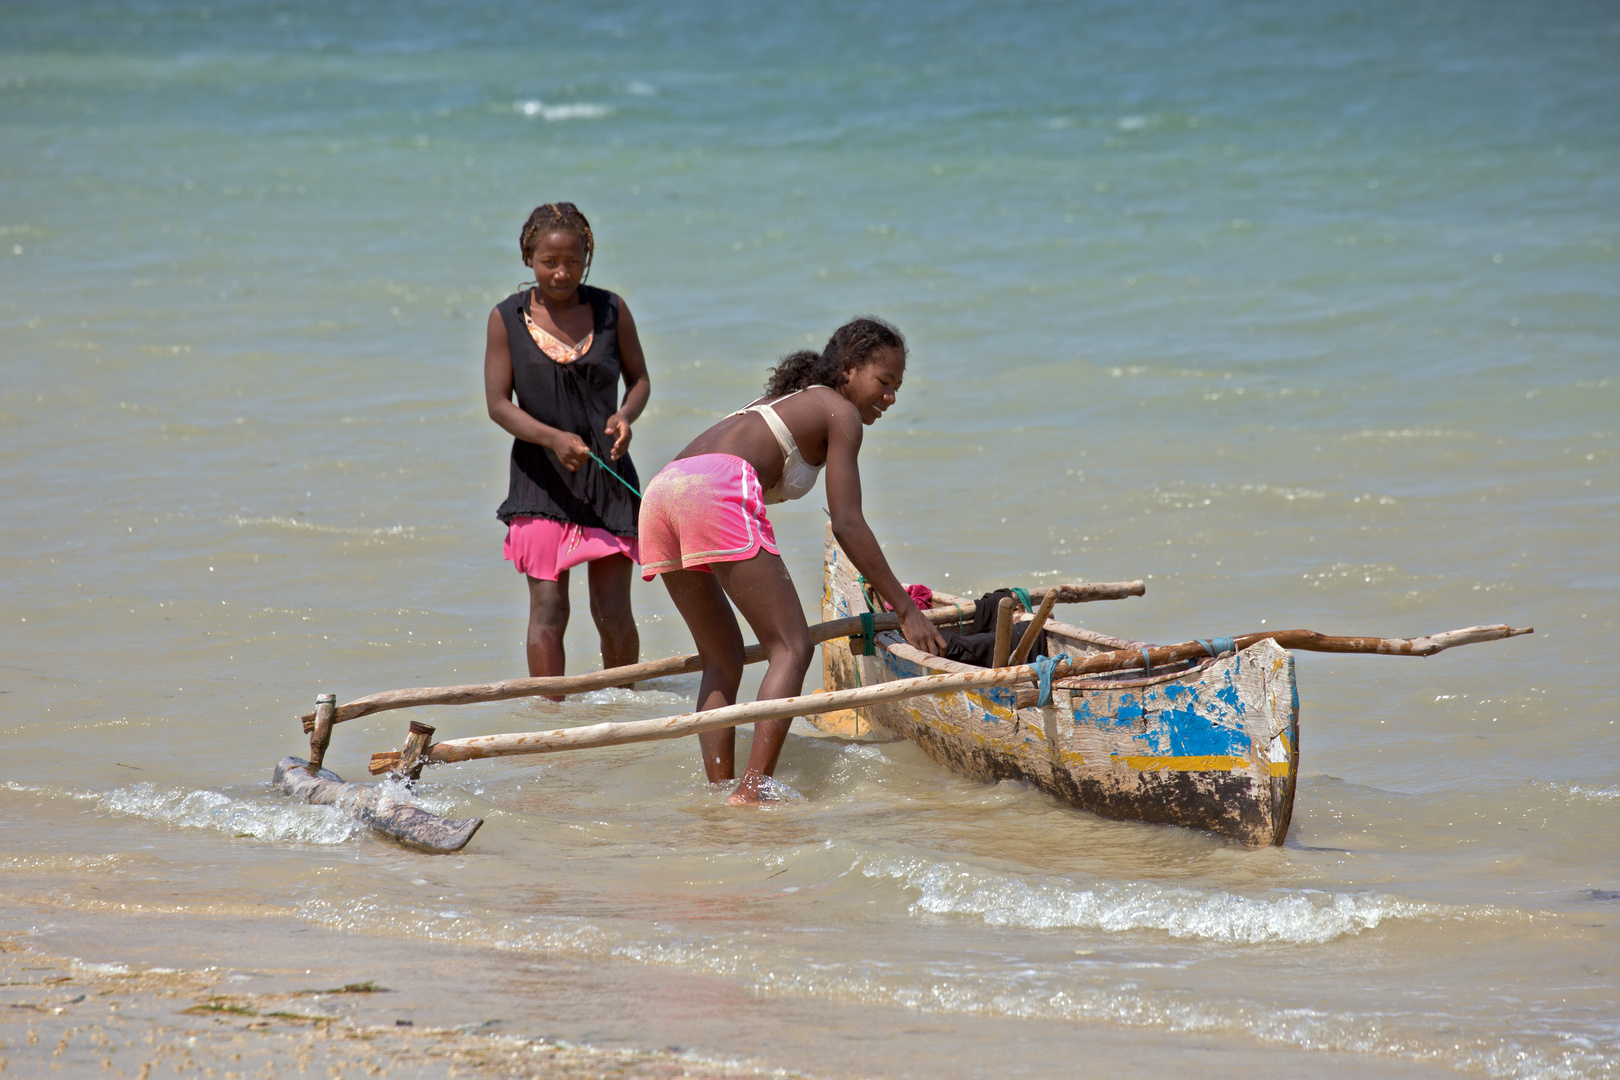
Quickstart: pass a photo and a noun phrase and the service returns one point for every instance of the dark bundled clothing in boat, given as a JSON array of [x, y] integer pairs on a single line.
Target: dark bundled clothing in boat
[[978, 645], [577, 397]]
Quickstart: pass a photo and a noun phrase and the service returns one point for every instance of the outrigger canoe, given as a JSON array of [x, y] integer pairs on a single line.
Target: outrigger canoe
[[1211, 743], [1201, 733]]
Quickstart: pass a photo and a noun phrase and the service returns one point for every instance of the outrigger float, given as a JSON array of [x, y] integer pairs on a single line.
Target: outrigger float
[[1203, 734]]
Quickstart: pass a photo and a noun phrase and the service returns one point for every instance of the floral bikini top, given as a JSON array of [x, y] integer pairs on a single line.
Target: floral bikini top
[[798, 475], [553, 346]]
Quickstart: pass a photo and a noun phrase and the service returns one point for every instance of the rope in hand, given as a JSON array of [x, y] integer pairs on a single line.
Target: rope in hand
[[613, 474], [1044, 666]]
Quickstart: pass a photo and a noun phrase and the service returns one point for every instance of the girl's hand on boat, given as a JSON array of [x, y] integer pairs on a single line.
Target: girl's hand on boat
[[921, 634], [618, 427], [571, 450]]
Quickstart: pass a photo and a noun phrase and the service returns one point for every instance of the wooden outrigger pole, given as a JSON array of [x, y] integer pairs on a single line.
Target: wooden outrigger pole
[[675, 727], [678, 665]]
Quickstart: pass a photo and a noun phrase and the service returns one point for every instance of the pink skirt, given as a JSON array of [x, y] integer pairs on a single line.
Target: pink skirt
[[701, 510], [542, 548]]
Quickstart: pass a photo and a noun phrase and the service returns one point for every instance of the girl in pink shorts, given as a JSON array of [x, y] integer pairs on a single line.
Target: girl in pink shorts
[[704, 529], [560, 349]]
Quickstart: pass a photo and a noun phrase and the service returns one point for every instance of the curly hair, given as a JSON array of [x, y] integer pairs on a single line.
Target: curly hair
[[852, 346], [556, 217]]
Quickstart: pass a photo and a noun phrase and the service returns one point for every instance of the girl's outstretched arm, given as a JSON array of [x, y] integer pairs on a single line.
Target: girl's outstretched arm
[[569, 448], [637, 386], [849, 527]]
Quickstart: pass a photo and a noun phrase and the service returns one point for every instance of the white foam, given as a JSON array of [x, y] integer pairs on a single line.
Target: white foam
[[1003, 900], [204, 809], [281, 522], [579, 110], [618, 695], [58, 861], [1291, 494], [1592, 794], [773, 790], [540, 934], [1410, 433]]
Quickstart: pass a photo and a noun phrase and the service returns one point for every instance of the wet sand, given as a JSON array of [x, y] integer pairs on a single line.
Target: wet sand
[[62, 1017], [248, 995]]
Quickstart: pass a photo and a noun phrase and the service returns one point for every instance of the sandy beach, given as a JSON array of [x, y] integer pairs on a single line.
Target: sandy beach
[[60, 1017]]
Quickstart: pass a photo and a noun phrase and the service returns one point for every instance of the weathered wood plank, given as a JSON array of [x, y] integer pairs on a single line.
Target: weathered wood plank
[[675, 727]]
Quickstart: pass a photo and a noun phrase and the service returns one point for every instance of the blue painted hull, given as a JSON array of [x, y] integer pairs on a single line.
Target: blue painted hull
[[1211, 746]]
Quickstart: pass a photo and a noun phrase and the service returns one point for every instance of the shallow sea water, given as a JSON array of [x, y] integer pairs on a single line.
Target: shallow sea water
[[1308, 316]]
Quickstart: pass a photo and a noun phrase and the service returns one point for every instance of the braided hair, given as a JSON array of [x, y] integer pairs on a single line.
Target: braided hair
[[851, 346], [556, 217]]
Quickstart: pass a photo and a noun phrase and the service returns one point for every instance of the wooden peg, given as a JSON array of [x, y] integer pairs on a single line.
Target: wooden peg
[[321, 736], [1003, 632], [1026, 644], [412, 755]]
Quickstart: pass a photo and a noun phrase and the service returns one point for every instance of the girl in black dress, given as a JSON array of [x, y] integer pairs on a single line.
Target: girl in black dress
[[560, 348]]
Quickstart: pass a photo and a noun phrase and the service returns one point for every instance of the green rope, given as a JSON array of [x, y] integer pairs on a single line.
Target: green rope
[[868, 635], [1023, 598], [613, 474]]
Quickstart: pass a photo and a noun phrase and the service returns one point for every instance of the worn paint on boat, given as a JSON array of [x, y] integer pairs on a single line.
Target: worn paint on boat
[[1211, 744]]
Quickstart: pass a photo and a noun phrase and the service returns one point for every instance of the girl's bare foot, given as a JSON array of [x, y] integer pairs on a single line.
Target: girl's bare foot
[[754, 788]]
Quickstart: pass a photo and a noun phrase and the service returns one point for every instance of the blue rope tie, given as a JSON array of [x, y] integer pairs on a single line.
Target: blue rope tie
[[958, 608], [1023, 598], [1217, 646], [613, 474], [1044, 666], [1147, 663], [868, 641]]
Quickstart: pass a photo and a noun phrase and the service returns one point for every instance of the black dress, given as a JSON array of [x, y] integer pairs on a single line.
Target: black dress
[[577, 397]]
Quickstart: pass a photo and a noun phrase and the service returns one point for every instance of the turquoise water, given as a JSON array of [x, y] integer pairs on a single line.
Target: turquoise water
[[1307, 315]]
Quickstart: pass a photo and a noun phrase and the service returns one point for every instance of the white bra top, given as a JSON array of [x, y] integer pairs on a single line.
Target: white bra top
[[798, 475]]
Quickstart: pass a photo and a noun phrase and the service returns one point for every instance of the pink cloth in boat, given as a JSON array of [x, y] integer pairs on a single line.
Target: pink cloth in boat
[[701, 510], [921, 595], [542, 548]]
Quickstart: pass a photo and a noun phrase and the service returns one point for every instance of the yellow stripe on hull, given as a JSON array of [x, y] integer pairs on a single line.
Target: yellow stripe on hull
[[1197, 763]]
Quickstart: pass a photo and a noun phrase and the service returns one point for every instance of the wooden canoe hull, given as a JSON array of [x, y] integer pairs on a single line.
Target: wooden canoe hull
[[1213, 745]]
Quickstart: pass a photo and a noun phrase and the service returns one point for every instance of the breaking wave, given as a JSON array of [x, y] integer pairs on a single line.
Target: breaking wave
[[1300, 918], [202, 809]]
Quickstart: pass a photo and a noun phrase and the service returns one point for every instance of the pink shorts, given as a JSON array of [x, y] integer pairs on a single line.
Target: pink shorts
[[542, 548], [701, 510]]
